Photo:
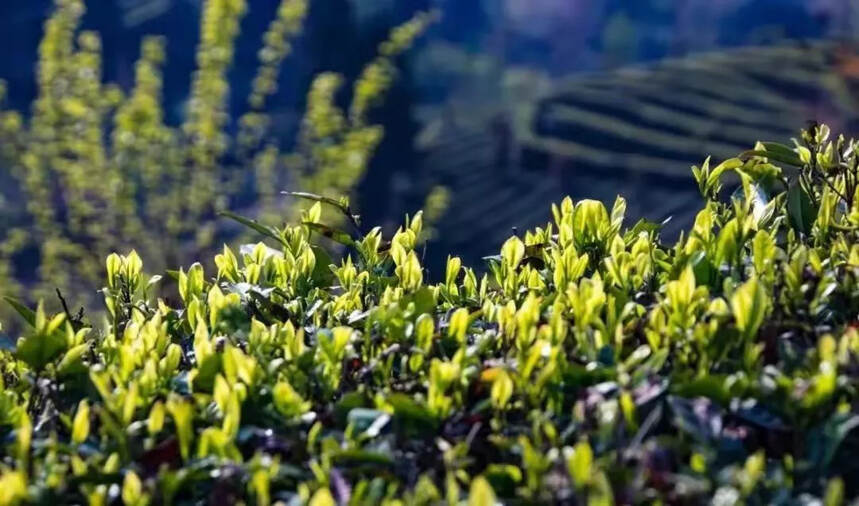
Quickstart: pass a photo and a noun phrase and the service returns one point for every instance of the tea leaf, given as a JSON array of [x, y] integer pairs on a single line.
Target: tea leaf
[[800, 210], [481, 493], [749, 306], [580, 464]]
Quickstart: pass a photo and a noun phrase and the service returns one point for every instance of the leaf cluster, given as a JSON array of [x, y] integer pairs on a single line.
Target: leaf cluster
[[592, 363]]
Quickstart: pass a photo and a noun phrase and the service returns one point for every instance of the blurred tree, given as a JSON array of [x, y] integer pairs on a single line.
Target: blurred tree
[[99, 169]]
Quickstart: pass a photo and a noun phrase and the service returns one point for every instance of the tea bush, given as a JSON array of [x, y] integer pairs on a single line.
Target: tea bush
[[590, 364], [96, 168]]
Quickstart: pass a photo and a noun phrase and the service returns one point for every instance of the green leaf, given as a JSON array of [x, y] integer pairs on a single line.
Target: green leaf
[[601, 492], [132, 489], [314, 214], [14, 487], [712, 183], [502, 389], [287, 401], [590, 222], [155, 420], [114, 266], [28, 314], [800, 210], [408, 412], [643, 225], [362, 458], [481, 493], [777, 147], [763, 251], [503, 477], [80, 425], [424, 331], [183, 418], [580, 464], [322, 497], [72, 362], [458, 324], [44, 343], [834, 492], [749, 306], [261, 485], [254, 225], [512, 252], [618, 211], [727, 243], [454, 264], [316, 198], [322, 275], [779, 155]]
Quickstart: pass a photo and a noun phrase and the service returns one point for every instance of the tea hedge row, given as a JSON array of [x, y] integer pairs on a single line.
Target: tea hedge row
[[590, 364]]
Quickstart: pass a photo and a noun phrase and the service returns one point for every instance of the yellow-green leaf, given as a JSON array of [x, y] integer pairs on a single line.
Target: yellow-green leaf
[[481, 493], [80, 425]]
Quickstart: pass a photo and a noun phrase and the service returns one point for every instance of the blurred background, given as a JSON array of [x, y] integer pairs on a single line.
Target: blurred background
[[509, 104]]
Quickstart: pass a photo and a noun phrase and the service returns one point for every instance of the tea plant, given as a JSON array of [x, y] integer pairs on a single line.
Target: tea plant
[[591, 364], [98, 169]]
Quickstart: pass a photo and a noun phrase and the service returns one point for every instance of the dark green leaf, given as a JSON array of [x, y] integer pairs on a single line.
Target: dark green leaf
[[790, 159], [800, 210], [265, 230]]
